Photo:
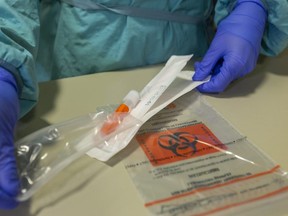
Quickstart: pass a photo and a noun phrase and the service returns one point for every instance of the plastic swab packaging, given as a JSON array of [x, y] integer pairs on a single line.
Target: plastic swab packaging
[[102, 134]]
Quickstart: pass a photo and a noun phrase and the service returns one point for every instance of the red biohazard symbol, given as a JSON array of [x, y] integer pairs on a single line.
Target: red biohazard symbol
[[177, 144], [180, 143]]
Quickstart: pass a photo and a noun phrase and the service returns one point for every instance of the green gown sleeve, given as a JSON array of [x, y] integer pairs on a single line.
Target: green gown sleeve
[[275, 38], [19, 33]]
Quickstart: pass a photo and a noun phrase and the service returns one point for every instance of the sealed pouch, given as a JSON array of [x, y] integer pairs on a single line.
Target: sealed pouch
[[191, 161], [44, 153]]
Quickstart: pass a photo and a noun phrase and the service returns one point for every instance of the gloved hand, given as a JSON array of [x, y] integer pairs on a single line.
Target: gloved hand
[[9, 109], [235, 48]]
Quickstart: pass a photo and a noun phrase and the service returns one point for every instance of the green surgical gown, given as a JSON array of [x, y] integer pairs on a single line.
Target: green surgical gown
[[52, 39]]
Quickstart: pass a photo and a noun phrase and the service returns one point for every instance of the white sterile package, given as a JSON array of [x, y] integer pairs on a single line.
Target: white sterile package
[[169, 84]]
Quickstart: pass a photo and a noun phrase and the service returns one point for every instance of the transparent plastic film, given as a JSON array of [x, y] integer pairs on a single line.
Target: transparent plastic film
[[191, 161], [44, 153], [101, 135]]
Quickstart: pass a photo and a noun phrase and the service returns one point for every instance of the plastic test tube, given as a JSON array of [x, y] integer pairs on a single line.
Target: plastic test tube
[[129, 102]]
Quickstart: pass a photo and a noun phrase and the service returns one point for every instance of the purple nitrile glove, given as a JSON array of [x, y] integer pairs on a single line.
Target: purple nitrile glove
[[235, 48], [9, 109]]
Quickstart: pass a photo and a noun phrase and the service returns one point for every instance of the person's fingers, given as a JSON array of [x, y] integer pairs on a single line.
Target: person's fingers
[[9, 109], [216, 84], [7, 202], [204, 68], [9, 180], [227, 72]]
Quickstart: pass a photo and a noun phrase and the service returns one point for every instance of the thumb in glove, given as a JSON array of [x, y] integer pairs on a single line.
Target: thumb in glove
[[235, 48]]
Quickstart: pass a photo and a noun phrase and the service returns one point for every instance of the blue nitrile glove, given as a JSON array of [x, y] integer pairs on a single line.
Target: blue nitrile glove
[[235, 48], [9, 109]]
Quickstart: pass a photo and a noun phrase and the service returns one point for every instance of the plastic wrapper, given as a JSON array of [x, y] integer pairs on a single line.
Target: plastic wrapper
[[44, 153], [191, 161]]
